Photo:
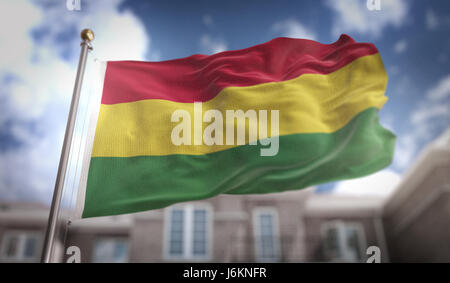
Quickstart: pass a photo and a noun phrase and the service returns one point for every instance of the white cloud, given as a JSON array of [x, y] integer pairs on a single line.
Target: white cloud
[[441, 91], [427, 118], [393, 70], [428, 112], [436, 105], [353, 16], [400, 46], [294, 29], [119, 35], [37, 77], [405, 150], [208, 21], [211, 45], [431, 20], [15, 55], [380, 184]]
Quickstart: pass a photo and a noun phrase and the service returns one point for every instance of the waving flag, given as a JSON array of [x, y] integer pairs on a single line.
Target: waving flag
[[323, 98]]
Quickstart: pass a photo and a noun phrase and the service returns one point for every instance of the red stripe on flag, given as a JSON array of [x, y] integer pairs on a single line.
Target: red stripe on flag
[[201, 77]]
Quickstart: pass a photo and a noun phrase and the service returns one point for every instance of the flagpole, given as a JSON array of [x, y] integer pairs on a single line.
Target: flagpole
[[87, 36]]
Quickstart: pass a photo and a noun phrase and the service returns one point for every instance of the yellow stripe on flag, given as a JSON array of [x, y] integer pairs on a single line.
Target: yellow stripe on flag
[[311, 103]]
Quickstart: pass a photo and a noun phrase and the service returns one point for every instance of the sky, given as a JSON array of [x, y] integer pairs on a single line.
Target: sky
[[40, 48]]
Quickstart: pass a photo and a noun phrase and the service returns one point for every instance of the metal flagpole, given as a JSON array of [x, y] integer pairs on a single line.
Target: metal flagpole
[[87, 36]]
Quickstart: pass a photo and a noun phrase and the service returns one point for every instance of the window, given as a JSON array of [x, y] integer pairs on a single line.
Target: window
[[20, 246], [343, 241], [200, 233], [189, 232], [266, 234], [176, 232], [111, 250]]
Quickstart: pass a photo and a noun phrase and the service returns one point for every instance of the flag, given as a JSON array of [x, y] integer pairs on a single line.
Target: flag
[[171, 131]]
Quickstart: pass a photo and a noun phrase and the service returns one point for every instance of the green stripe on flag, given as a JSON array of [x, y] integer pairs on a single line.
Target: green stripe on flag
[[118, 185]]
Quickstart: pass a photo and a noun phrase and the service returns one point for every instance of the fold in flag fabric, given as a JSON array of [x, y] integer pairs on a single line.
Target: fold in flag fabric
[[327, 96]]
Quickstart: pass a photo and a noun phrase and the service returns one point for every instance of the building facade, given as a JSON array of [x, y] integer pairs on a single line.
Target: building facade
[[411, 225]]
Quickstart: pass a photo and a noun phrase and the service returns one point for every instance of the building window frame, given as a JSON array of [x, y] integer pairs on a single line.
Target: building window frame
[[188, 232], [110, 239], [257, 212], [344, 250], [22, 237]]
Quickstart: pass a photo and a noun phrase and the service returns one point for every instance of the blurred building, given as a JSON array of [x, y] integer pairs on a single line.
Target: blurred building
[[301, 226], [417, 216]]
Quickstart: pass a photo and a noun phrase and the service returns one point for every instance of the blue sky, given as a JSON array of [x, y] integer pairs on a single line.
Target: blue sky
[[39, 53]]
